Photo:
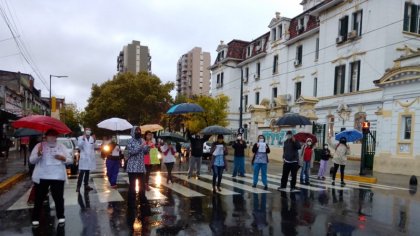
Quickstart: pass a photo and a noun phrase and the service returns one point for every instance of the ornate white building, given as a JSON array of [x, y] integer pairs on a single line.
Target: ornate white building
[[339, 62]]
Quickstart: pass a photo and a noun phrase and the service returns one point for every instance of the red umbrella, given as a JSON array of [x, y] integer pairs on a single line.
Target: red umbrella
[[302, 136], [41, 123]]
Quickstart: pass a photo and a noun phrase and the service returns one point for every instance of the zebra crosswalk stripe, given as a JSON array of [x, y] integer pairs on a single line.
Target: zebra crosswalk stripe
[[105, 192], [237, 185], [205, 185], [153, 194], [313, 188], [184, 191]]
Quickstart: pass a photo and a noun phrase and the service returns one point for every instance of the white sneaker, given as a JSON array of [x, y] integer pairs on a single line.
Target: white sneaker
[[35, 223], [62, 220]]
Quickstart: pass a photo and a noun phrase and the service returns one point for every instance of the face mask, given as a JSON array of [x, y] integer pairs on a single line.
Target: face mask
[[309, 143], [137, 135], [288, 136], [326, 147], [261, 140], [51, 140], [239, 138], [88, 132], [220, 140]]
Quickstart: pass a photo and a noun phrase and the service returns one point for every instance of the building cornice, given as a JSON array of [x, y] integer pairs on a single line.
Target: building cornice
[[302, 36], [350, 94], [349, 56], [254, 58]]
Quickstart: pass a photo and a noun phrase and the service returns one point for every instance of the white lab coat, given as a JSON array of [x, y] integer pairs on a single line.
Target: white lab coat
[[87, 153]]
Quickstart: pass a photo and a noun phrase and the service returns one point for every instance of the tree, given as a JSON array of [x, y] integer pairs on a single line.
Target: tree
[[140, 98], [215, 112], [71, 117]]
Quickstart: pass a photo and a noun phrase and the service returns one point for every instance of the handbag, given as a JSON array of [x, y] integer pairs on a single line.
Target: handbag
[[154, 159]]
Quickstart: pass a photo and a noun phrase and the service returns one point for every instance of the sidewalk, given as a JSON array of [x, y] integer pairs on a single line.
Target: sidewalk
[[12, 170]]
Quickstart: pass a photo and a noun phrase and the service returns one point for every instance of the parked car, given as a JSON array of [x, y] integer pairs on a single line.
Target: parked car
[[73, 151], [206, 150]]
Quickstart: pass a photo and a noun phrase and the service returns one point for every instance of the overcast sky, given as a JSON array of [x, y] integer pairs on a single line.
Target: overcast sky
[[81, 39]]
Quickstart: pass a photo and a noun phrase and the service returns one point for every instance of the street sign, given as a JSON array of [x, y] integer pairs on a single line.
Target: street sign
[[241, 130]]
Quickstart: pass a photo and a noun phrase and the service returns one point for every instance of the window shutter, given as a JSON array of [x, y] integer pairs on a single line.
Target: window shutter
[[414, 18], [358, 75], [336, 79], [343, 69], [361, 21], [344, 27], [406, 18]]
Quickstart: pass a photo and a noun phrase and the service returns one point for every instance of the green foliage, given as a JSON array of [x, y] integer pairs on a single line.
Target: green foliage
[[140, 98], [215, 113], [72, 118]]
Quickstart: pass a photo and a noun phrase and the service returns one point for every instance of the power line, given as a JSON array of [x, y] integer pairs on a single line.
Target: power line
[[24, 52]]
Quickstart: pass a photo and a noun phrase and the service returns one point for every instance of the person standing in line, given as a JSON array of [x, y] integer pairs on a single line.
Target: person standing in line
[[218, 161], [239, 147], [87, 160], [290, 161], [325, 156], [50, 159], [196, 153], [260, 161], [113, 162], [307, 156], [340, 159], [24, 141], [136, 169], [168, 152], [148, 136]]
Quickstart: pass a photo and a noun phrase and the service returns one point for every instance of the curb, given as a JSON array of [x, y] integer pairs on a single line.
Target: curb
[[11, 181], [370, 180]]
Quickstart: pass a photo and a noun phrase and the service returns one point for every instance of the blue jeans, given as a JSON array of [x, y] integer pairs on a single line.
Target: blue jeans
[[238, 166], [263, 167], [304, 173], [217, 174]]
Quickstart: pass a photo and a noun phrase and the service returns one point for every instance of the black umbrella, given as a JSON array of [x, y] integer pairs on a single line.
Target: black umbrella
[[292, 119], [23, 132], [184, 108], [172, 137], [215, 129]]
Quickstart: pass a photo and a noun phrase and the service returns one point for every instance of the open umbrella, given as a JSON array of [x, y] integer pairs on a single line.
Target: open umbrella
[[350, 135], [115, 124], [150, 127], [41, 123], [302, 136], [172, 137], [215, 129], [293, 119], [183, 108], [24, 132]]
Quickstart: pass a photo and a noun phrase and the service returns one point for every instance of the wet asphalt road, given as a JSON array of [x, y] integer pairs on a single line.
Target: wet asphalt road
[[190, 208]]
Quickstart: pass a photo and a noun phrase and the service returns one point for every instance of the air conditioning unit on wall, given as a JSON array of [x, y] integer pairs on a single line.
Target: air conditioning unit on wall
[[339, 39], [296, 62]]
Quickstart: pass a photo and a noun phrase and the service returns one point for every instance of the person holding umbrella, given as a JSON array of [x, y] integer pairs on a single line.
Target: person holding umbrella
[[113, 162], [239, 147], [87, 160], [196, 152], [50, 159], [307, 156], [168, 152], [218, 161], [290, 161], [340, 158]]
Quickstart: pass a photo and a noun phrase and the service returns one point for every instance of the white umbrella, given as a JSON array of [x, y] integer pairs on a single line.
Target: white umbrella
[[115, 124]]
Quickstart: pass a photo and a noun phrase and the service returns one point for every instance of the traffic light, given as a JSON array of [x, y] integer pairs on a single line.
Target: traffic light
[[366, 127]]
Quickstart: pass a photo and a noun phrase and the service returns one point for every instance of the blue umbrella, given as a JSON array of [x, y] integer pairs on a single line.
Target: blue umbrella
[[216, 129], [350, 135], [183, 108]]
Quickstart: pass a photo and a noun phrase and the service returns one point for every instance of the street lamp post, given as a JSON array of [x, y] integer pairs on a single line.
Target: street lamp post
[[56, 76]]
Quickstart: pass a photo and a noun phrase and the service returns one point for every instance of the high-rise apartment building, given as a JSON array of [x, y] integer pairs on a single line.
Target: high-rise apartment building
[[134, 58], [193, 75]]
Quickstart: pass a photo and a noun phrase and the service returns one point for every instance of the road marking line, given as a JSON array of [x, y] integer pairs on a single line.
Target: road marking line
[[313, 188], [105, 192], [184, 191], [237, 185], [205, 185], [153, 194]]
